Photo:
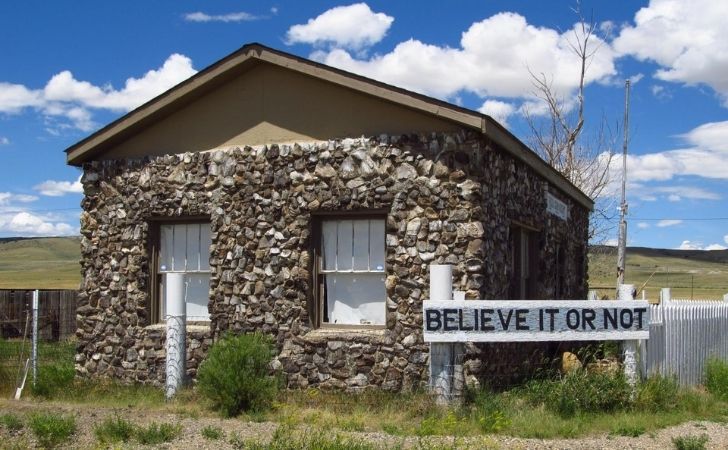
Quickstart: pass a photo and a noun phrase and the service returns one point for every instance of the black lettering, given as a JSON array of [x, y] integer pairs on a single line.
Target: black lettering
[[587, 316], [448, 319], [638, 312], [485, 320], [475, 319], [521, 320], [551, 312], [610, 318], [460, 322], [505, 323], [540, 320], [432, 320], [572, 319], [626, 324]]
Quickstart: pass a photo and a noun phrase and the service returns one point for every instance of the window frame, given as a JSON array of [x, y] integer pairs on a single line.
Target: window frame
[[317, 304], [154, 291], [526, 288]]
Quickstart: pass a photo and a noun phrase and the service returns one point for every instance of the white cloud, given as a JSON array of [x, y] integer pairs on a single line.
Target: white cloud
[[53, 188], [643, 225], [725, 238], [7, 198], [668, 223], [230, 17], [498, 110], [65, 96], [697, 245], [686, 38], [353, 27], [4, 140], [30, 224], [493, 60]]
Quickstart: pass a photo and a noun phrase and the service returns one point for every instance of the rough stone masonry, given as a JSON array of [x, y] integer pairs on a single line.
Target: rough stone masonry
[[451, 199]]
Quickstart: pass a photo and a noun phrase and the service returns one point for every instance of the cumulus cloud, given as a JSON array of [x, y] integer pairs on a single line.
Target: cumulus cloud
[[643, 225], [8, 197], [668, 223], [54, 188], [352, 27], [229, 17], [498, 110], [697, 245], [495, 58], [29, 224], [685, 38], [65, 96]]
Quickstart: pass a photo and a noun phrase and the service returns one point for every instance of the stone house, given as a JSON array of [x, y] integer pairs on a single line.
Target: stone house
[[307, 203]]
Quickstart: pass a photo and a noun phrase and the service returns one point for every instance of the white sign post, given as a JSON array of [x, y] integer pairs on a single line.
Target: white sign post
[[441, 354], [629, 347]]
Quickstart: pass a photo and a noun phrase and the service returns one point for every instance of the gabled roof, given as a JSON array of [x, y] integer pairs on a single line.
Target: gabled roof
[[253, 54]]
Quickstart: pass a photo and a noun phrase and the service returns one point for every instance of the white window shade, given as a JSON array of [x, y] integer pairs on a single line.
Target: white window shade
[[186, 248], [353, 270]]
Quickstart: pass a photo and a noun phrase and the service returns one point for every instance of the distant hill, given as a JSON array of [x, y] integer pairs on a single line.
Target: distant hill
[[40, 263], [689, 273], [52, 263]]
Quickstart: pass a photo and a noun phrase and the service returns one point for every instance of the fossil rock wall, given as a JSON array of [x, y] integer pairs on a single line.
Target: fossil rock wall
[[450, 199]]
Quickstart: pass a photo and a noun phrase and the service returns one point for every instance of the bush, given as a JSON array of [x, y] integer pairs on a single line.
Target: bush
[[212, 433], [658, 393], [490, 410], [53, 379], [716, 378], [156, 434], [235, 375], [580, 392], [52, 429], [113, 430], [690, 442]]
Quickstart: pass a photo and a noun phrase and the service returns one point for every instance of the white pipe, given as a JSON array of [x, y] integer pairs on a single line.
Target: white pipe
[[441, 354], [176, 311]]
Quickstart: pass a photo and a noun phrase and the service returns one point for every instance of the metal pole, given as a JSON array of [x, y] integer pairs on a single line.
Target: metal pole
[[629, 348], [622, 244], [34, 348]]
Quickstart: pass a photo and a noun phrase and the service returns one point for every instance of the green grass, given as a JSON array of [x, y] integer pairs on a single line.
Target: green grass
[[52, 430], [114, 430], [690, 442], [40, 263], [704, 275], [212, 433], [55, 366], [155, 434], [716, 378], [11, 422], [291, 438]]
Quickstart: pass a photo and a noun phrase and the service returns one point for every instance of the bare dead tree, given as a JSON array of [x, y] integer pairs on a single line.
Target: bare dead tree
[[582, 155]]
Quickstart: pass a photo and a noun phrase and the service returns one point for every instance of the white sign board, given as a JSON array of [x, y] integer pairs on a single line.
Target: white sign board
[[534, 320], [556, 207]]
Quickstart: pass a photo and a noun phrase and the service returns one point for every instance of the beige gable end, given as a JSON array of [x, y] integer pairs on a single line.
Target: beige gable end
[[269, 104]]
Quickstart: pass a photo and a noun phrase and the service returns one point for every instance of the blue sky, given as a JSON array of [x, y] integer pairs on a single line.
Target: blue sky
[[69, 67]]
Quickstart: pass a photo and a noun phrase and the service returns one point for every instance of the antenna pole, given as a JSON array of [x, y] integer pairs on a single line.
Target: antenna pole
[[622, 240]]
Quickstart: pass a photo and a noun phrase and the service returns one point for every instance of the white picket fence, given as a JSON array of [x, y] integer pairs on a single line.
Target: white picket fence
[[684, 334]]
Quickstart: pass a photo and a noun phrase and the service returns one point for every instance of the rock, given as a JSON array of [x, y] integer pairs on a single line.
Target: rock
[[570, 363]]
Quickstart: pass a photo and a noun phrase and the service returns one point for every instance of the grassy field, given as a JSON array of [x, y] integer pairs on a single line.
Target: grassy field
[[689, 273], [42, 263], [52, 263]]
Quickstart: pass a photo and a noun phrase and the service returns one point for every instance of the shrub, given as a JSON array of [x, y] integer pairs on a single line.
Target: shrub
[[53, 379], [658, 393], [113, 430], [690, 442], [212, 433], [156, 434], [629, 430], [716, 378], [580, 391], [235, 376], [490, 410], [52, 429], [11, 422], [287, 438]]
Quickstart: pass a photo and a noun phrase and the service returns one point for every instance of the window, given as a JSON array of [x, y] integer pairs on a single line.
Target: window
[[184, 247], [523, 264], [350, 272]]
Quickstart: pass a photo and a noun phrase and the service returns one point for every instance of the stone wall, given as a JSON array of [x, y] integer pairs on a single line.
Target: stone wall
[[450, 198]]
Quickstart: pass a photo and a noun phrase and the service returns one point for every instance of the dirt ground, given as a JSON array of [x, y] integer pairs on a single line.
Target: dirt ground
[[191, 436]]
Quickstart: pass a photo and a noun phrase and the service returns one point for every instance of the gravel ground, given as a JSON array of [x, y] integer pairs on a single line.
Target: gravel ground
[[191, 436]]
